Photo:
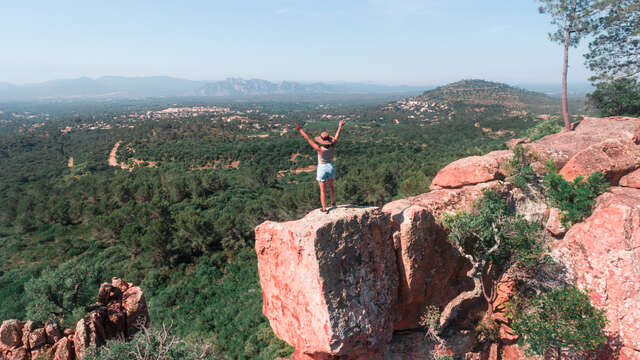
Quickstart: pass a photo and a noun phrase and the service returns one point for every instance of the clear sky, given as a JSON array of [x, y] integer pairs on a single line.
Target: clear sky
[[416, 42]]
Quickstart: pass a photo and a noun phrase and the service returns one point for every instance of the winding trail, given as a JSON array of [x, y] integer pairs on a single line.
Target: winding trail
[[112, 155]]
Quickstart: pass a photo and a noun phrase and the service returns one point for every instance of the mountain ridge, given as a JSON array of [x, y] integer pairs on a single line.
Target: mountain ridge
[[161, 86]]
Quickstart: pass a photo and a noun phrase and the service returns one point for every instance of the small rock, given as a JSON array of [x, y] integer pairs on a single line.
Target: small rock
[[52, 328], [554, 225], [632, 179]]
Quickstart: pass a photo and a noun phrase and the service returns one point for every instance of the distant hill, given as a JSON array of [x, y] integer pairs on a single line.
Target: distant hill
[[163, 86], [481, 92], [477, 101]]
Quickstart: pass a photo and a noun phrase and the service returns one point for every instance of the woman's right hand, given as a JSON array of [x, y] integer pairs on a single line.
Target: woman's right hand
[[298, 128]]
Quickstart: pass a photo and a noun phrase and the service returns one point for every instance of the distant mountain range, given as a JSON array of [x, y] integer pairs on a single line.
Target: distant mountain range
[[161, 86], [114, 87]]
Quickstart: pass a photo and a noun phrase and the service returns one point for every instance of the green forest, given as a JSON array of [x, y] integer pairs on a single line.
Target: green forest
[[177, 213]]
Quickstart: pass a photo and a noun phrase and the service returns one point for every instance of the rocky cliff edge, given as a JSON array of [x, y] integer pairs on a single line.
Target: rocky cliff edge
[[353, 284]]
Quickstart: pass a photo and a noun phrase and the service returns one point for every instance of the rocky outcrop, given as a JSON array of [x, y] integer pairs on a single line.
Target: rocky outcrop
[[603, 254], [561, 147], [613, 157], [354, 283], [107, 319], [472, 170], [328, 281], [632, 179]]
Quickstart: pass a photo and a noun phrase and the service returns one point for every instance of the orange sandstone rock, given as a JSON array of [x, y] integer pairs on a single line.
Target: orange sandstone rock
[[472, 170], [613, 157], [632, 179], [329, 281], [603, 253]]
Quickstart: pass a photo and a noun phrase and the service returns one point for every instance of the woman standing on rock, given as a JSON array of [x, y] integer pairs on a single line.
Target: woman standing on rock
[[325, 146]]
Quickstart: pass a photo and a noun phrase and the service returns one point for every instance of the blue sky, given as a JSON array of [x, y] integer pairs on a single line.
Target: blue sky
[[417, 42]]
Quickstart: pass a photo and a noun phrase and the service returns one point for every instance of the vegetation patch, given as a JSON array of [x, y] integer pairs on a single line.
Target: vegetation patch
[[576, 198], [558, 322], [545, 127]]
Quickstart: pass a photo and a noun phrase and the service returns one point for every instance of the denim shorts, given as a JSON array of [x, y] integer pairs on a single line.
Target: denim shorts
[[325, 172]]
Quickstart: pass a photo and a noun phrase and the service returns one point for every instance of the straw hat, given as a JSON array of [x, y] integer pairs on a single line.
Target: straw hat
[[324, 139]]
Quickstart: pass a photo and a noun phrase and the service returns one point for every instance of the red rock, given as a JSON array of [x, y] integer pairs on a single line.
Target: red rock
[[63, 350], [554, 225], [329, 281], [513, 352], [563, 146], [613, 157], [603, 254], [115, 325], [515, 142], [39, 353], [120, 284], [37, 339], [431, 272], [90, 331], [107, 293], [20, 353], [53, 332], [629, 354], [472, 170], [632, 179], [27, 329], [11, 333], [135, 307], [443, 201], [411, 224]]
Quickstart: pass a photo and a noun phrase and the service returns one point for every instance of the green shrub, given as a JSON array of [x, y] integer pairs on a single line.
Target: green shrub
[[493, 230], [544, 128], [519, 170], [557, 321], [492, 237], [619, 97], [151, 344], [63, 292], [575, 198]]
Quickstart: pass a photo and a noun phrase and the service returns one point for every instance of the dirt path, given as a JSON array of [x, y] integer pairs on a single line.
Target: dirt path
[[112, 155]]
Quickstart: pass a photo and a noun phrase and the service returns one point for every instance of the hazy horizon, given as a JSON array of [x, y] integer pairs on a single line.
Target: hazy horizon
[[408, 42]]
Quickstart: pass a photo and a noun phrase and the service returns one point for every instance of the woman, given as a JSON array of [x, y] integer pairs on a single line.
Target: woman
[[325, 146]]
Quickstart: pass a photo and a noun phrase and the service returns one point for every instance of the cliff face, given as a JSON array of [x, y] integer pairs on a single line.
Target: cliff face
[[120, 312], [342, 285]]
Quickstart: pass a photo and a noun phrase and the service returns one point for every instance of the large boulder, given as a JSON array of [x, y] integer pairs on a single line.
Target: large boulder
[[62, 350], [90, 331], [563, 146], [472, 170], [329, 281], [603, 255], [613, 157], [11, 333], [135, 307]]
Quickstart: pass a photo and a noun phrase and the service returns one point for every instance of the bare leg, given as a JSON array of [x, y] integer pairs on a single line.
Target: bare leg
[[332, 193], [322, 200]]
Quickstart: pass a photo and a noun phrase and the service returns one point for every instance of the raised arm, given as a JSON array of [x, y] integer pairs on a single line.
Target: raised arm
[[335, 138], [313, 144]]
